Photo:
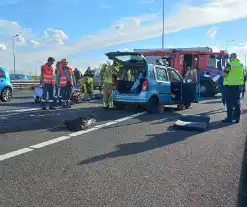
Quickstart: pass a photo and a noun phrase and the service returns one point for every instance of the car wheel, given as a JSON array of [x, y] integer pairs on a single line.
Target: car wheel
[[152, 106], [206, 89], [6, 94]]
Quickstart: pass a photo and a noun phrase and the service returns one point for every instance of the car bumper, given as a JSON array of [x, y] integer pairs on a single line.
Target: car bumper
[[139, 99]]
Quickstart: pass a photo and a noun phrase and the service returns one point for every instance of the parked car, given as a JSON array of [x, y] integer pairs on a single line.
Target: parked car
[[160, 85], [6, 87], [20, 77]]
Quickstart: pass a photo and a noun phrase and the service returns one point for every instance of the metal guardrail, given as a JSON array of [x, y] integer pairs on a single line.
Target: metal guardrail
[[24, 84], [29, 84]]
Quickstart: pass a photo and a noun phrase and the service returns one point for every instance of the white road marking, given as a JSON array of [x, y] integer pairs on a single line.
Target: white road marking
[[24, 110], [15, 153], [62, 138]]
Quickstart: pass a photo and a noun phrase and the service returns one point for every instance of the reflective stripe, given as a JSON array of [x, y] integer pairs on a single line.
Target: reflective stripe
[[48, 75]]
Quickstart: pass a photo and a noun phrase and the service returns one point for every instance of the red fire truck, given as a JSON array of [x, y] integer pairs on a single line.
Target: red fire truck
[[208, 62]]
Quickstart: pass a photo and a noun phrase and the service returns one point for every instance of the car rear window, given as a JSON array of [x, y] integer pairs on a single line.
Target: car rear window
[[129, 58]]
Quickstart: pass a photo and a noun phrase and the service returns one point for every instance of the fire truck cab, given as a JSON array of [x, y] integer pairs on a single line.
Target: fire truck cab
[[209, 63]]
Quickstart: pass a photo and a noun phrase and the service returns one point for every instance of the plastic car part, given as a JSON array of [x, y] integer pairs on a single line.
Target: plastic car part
[[192, 123]]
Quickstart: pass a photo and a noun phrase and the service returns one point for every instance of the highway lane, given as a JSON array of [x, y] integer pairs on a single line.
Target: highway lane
[[139, 161]]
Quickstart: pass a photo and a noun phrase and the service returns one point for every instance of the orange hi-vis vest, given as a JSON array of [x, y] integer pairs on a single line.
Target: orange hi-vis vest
[[63, 82], [48, 75]]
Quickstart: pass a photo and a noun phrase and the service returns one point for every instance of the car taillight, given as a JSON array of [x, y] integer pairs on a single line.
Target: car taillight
[[145, 85], [114, 85]]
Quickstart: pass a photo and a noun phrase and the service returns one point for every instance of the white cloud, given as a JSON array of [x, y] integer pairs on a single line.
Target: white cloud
[[137, 22], [34, 43], [127, 30], [212, 32], [55, 36], [2, 47], [20, 40]]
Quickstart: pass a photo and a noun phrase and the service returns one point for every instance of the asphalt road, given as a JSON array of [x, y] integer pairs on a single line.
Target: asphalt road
[[126, 160]]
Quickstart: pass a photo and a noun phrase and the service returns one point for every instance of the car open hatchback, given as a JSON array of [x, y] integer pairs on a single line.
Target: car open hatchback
[[151, 85]]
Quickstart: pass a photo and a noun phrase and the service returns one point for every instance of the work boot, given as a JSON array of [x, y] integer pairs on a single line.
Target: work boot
[[227, 120], [51, 106], [105, 105], [68, 105], [43, 104], [64, 104], [111, 105]]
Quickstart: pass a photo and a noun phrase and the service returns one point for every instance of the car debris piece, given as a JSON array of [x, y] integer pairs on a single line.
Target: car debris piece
[[192, 123], [79, 124]]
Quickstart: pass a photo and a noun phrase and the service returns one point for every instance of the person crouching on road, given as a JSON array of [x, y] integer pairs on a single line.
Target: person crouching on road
[[47, 80], [233, 82], [65, 82]]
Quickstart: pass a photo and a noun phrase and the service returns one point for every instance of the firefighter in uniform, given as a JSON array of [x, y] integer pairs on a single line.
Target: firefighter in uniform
[[47, 80], [65, 82], [109, 74], [233, 81]]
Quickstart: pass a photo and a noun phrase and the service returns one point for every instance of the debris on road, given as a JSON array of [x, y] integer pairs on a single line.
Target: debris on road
[[197, 123], [79, 124]]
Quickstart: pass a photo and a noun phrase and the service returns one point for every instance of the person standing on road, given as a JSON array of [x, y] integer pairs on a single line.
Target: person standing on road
[[106, 74], [65, 82], [244, 87], [89, 74], [233, 81], [220, 84], [57, 96], [77, 77], [47, 80]]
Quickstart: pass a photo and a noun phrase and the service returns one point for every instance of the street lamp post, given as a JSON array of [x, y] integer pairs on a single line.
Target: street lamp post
[[163, 19], [245, 61], [14, 50]]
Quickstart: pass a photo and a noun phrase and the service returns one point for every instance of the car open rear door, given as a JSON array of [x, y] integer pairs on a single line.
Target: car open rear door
[[191, 87], [127, 58]]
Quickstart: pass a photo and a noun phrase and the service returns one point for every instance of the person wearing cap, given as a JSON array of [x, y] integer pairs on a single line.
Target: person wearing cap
[[65, 82], [233, 82], [47, 80]]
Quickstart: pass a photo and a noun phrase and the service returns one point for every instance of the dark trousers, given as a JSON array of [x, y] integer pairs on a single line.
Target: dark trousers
[[65, 92], [48, 88], [232, 95], [223, 96]]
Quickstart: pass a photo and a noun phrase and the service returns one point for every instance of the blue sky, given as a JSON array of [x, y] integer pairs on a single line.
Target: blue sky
[[82, 31]]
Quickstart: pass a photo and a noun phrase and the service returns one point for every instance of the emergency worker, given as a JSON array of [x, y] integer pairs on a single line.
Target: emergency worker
[[89, 74], [47, 80], [233, 81], [65, 82], [109, 74]]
